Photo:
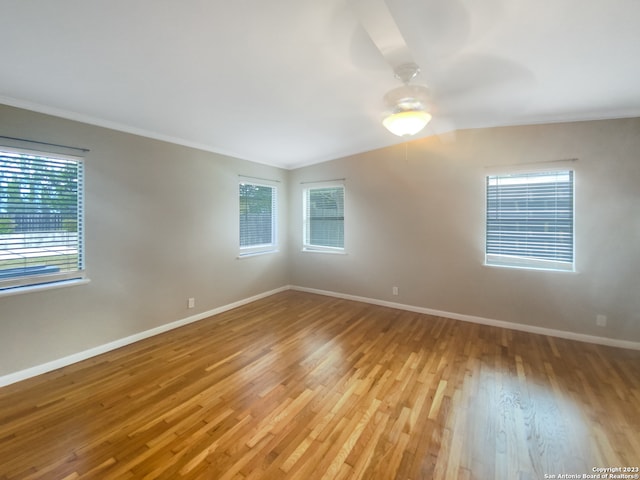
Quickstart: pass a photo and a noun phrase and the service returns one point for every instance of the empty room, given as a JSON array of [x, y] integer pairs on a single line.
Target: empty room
[[349, 239]]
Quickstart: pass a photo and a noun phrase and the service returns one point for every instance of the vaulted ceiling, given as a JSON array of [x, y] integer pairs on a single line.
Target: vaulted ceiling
[[295, 82]]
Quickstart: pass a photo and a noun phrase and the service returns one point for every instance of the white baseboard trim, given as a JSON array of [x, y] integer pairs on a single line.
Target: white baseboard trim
[[92, 352], [611, 342]]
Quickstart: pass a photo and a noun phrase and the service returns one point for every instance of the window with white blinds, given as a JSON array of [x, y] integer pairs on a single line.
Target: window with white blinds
[[257, 218], [324, 218], [530, 220], [41, 218]]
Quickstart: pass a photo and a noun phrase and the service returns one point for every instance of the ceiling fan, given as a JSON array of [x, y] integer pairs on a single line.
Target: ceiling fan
[[408, 103], [464, 85]]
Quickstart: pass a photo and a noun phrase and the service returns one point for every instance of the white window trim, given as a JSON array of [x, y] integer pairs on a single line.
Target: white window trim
[[518, 263], [44, 286], [32, 283], [265, 248], [324, 250], [500, 261], [310, 248]]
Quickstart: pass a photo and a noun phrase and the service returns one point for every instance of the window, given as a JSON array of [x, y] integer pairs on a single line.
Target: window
[[41, 218], [257, 218], [324, 218], [530, 220]]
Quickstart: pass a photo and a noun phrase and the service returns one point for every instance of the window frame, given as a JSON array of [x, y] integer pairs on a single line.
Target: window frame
[[17, 283], [262, 248], [307, 246], [531, 263]]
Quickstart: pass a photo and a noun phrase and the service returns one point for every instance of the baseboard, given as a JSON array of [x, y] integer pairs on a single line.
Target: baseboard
[[92, 352], [610, 342]]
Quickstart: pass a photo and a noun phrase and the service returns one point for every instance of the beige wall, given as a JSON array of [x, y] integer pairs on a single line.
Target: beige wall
[[415, 219], [161, 226]]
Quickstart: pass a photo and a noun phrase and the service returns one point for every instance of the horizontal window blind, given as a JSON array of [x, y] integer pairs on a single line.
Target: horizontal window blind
[[257, 217], [41, 218], [530, 220], [324, 217]]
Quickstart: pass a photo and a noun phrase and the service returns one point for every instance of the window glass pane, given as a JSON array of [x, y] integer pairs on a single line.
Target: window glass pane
[[41, 215], [325, 217], [257, 215], [530, 220]]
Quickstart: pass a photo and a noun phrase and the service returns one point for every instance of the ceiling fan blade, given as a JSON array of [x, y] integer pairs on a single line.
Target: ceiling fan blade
[[481, 87], [375, 17], [434, 30]]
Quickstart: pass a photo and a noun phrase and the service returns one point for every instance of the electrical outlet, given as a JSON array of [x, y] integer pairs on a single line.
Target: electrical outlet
[[394, 290], [601, 320], [191, 303]]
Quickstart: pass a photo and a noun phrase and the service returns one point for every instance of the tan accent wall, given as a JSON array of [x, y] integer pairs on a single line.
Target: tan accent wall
[[161, 226], [415, 220]]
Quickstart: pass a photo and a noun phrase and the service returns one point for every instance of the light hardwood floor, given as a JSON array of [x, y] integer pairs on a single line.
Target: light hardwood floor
[[302, 386]]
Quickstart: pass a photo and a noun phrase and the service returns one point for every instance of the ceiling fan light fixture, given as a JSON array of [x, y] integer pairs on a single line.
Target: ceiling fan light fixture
[[406, 122]]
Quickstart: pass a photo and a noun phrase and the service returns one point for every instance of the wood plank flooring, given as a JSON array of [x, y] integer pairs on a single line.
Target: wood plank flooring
[[302, 386]]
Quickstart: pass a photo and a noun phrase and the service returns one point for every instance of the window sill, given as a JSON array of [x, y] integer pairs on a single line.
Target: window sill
[[531, 268], [43, 286], [255, 254], [330, 252]]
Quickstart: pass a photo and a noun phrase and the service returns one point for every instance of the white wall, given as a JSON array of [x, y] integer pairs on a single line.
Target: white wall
[[415, 219], [161, 226]]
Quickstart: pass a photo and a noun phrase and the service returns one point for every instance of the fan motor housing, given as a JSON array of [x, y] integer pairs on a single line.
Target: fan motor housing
[[408, 97]]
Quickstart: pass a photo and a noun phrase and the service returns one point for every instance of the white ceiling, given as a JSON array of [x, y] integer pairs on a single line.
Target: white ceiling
[[294, 82]]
